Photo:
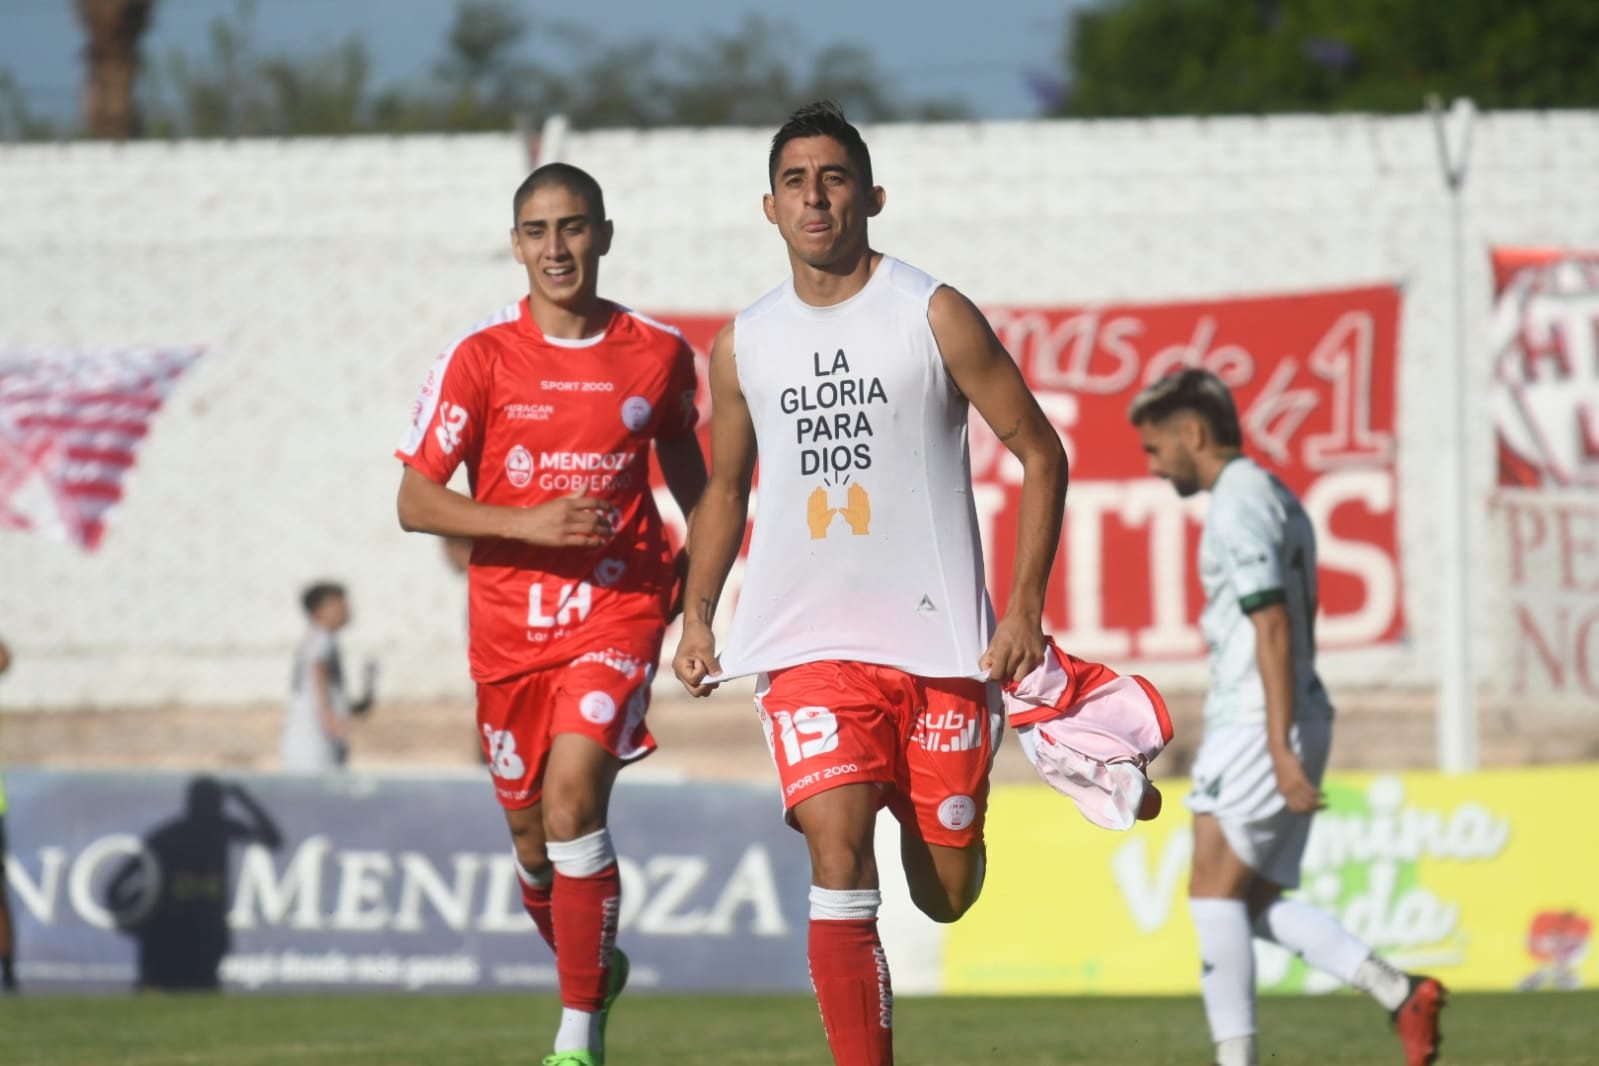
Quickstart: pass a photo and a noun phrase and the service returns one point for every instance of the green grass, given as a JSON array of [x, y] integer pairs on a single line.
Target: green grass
[[656, 1030]]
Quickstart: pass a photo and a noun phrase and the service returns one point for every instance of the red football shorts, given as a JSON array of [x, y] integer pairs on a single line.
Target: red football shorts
[[602, 693], [932, 740]]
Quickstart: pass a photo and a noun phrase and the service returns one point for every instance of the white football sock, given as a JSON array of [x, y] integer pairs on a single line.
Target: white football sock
[[1313, 935], [1380, 981], [844, 905], [583, 857], [579, 1031], [1237, 1051], [1227, 975]]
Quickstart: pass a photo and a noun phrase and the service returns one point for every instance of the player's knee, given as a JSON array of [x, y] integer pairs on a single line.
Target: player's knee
[[843, 867], [943, 903], [531, 856], [571, 819]]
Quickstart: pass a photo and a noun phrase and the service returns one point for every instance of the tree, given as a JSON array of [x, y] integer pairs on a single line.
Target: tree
[[497, 68], [1187, 57], [17, 120], [233, 90], [113, 29]]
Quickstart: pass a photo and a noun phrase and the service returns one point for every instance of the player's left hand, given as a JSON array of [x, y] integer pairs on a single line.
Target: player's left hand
[[1015, 651]]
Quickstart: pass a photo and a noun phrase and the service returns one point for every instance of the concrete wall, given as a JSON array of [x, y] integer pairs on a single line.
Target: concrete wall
[[324, 275]]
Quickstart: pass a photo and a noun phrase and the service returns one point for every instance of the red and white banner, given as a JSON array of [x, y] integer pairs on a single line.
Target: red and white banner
[[1546, 412], [70, 425], [1546, 366], [1314, 376]]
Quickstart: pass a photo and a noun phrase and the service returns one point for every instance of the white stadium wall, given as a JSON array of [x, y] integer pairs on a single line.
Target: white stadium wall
[[322, 276]]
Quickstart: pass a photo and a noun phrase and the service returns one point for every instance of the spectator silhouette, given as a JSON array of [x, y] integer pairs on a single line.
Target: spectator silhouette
[[173, 899]]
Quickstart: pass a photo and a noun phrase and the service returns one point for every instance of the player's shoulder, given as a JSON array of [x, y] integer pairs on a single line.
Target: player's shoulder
[[776, 298], [649, 330], [1247, 492], [911, 282], [488, 332]]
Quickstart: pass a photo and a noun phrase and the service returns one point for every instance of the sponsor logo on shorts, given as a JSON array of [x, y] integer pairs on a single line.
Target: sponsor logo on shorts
[[957, 812], [597, 707], [519, 466], [636, 411], [615, 658], [950, 730], [816, 777]]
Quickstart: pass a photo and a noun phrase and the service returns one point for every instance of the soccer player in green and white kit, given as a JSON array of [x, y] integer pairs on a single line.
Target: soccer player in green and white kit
[[1268, 727]]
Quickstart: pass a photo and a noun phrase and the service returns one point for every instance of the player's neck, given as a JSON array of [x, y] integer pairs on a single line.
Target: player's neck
[[826, 286], [1211, 464], [574, 323]]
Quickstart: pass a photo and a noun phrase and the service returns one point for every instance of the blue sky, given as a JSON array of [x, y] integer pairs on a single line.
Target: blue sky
[[926, 48]]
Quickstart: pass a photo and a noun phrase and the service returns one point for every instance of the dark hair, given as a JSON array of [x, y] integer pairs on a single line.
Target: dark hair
[[1192, 389], [822, 119], [318, 594], [565, 175]]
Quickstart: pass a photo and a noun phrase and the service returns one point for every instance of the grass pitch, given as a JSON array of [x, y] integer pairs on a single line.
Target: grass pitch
[[658, 1030]]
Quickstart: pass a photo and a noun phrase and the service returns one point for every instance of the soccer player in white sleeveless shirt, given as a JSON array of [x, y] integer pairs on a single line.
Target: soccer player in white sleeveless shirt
[[1268, 726], [864, 606]]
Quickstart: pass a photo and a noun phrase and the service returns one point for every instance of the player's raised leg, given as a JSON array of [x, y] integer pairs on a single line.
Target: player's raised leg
[[587, 889], [1217, 894], [942, 802], [848, 968], [1412, 1001], [944, 881]]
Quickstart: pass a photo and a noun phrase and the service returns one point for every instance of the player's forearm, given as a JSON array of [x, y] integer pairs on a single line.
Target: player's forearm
[[1038, 525], [683, 469], [714, 534], [425, 506], [1274, 658]]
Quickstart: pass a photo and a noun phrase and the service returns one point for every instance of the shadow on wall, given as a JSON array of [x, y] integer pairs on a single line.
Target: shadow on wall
[[172, 898]]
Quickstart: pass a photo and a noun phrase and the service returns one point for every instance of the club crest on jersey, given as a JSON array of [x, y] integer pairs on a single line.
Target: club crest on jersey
[[519, 466], [636, 411]]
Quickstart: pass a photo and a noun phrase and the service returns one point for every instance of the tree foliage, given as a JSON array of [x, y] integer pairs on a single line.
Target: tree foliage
[[1198, 57], [495, 68]]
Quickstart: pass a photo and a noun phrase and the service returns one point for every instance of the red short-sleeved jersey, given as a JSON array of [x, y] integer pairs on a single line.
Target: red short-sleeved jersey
[[535, 418]]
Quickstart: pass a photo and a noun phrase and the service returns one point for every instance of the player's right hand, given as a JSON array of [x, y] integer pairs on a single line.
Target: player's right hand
[[696, 659], [1301, 796], [568, 522]]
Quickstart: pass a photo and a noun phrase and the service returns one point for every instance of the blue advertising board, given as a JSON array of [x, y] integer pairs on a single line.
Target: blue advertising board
[[379, 882]]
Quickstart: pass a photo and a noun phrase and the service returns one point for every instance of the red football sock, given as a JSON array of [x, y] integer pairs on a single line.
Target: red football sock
[[585, 912], [850, 974], [536, 900]]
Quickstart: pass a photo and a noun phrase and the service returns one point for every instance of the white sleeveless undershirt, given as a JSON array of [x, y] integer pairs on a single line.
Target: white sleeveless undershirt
[[865, 545]]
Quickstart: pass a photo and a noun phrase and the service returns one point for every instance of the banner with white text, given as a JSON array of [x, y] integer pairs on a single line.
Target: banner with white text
[[371, 882], [1479, 879]]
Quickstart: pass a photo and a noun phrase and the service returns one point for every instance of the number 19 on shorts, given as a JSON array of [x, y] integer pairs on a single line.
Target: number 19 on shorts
[[806, 732]]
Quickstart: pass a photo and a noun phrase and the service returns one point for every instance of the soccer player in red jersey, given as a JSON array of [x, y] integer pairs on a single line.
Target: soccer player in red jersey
[[864, 608], [553, 405]]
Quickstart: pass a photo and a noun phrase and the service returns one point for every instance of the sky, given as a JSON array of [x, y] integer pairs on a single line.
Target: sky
[[979, 54]]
